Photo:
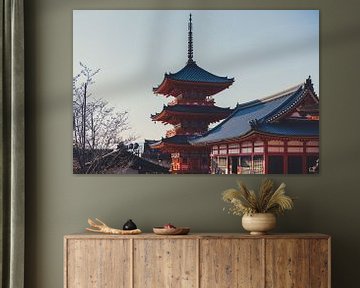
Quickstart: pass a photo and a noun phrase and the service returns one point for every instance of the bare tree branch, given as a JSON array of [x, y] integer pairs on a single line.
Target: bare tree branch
[[97, 127]]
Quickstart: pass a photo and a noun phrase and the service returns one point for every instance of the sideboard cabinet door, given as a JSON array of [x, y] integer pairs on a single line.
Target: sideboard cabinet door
[[320, 263], [98, 263], [167, 263], [231, 263], [297, 263]]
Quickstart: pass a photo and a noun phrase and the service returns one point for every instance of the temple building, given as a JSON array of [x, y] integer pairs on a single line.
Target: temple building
[[274, 135], [190, 112], [155, 155]]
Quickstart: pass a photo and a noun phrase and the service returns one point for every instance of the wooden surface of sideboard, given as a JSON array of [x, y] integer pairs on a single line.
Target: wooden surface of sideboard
[[205, 260]]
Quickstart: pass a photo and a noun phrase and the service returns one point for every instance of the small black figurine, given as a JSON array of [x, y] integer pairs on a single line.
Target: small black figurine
[[129, 225]]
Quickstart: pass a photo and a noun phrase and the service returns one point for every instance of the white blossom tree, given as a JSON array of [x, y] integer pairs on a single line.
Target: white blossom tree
[[98, 128]]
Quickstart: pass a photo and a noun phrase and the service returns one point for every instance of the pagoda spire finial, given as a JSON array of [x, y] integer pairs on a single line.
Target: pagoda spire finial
[[190, 41]]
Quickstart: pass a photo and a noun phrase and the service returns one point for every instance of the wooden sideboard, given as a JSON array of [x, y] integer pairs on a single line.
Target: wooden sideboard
[[197, 260]]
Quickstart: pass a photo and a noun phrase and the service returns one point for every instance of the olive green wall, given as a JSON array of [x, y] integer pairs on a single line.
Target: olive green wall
[[59, 203]]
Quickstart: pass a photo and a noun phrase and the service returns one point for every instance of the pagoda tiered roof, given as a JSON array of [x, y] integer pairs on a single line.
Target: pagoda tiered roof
[[192, 75], [210, 112], [174, 141], [266, 116]]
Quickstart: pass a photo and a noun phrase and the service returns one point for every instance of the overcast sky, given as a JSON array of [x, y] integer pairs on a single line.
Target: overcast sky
[[266, 51]]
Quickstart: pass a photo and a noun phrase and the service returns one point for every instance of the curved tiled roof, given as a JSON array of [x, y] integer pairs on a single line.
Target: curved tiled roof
[[193, 73], [205, 112], [259, 115], [196, 109], [291, 128], [177, 139]]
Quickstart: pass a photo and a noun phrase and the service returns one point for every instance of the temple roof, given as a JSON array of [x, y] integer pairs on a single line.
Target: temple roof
[[292, 128], [172, 113], [262, 116], [193, 73], [175, 140], [195, 109]]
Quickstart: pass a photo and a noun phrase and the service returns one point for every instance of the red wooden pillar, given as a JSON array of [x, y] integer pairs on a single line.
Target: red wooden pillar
[[266, 155], [285, 159], [304, 158], [304, 170], [228, 160], [252, 156]]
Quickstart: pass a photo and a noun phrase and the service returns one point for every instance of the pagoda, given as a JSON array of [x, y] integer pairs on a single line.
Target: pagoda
[[190, 112]]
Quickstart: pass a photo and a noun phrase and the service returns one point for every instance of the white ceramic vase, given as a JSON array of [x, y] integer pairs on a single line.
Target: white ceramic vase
[[259, 223]]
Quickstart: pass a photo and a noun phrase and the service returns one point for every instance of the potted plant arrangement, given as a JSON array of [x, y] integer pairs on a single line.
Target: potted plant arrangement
[[258, 210]]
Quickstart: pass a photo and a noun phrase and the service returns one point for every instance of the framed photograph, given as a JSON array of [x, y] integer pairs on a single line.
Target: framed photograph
[[196, 92]]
